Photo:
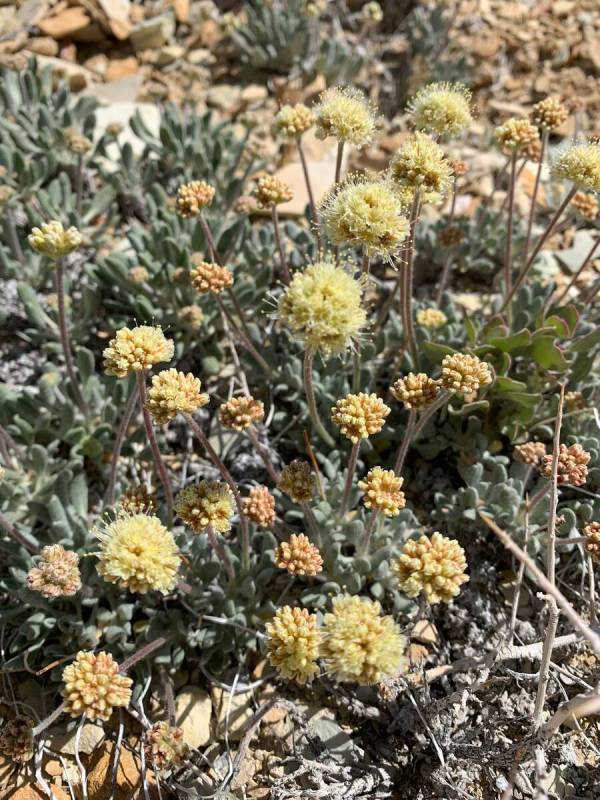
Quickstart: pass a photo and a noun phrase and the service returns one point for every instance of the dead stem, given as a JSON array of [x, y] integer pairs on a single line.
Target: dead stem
[[540, 698], [311, 199]]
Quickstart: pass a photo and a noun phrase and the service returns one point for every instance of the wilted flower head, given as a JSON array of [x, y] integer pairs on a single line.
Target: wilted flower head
[[136, 349], [585, 204], [193, 197], [240, 412], [347, 115], [293, 644], [459, 167], [420, 165], [416, 391], [191, 316], [259, 506], [359, 416], [138, 553], [173, 392], [114, 128], [138, 274], [382, 491], [79, 144], [451, 236], [208, 504], [297, 481], [530, 453], [443, 109], [365, 213], [299, 556], [164, 747], [293, 121], [359, 644], [572, 465], [579, 162], [53, 241], [549, 114], [515, 134], [138, 500], [56, 574], [432, 566], [94, 687], [271, 191], [323, 305], [371, 13], [16, 740], [465, 374], [592, 544], [210, 277], [431, 318]]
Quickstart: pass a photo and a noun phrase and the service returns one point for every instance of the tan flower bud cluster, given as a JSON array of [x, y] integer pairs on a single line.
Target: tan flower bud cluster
[[208, 504], [53, 241], [114, 128], [259, 506], [432, 566], [293, 121], [209, 277], [415, 391], [297, 481], [293, 639], [572, 465], [139, 274], [138, 500], [173, 392], [451, 236], [94, 687], [549, 114], [56, 574], [136, 349], [431, 318], [271, 191], [382, 491], [575, 400], [299, 556], [191, 316], [530, 453], [459, 167], [241, 412], [359, 416], [420, 165], [592, 535], [586, 204], [515, 134], [6, 192], [465, 374], [165, 748], [16, 740], [79, 144], [193, 197]]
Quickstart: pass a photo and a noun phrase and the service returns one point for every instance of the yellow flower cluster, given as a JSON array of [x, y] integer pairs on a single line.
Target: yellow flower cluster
[[431, 318], [56, 574], [138, 500], [293, 121], [271, 191], [382, 491], [359, 416], [345, 114], [136, 349], [139, 274], [592, 535], [94, 687], [549, 114], [415, 391], [432, 566], [173, 392], [585, 204], [241, 412], [465, 374], [206, 504], [572, 465], [293, 640], [579, 163], [421, 166], [297, 481], [443, 109], [530, 453], [259, 506], [138, 553], [299, 556], [165, 747], [53, 241], [371, 13], [193, 197], [191, 316], [207, 276], [515, 134]]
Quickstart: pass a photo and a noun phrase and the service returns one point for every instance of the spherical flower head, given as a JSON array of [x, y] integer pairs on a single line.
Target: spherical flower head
[[371, 13], [94, 687], [16, 740], [191, 316], [359, 416], [459, 167], [382, 491], [240, 413], [360, 645], [173, 392], [346, 114], [208, 504], [114, 129], [442, 109], [79, 144], [416, 390], [549, 114], [293, 640], [292, 121], [164, 747], [138, 500], [271, 191], [432, 566], [299, 556], [138, 275], [138, 553], [592, 536], [136, 349], [323, 305], [420, 165], [259, 506], [585, 204], [6, 192], [431, 318], [451, 236], [56, 574], [53, 241], [579, 162], [516, 134], [297, 481], [365, 213], [465, 374], [572, 465], [575, 401], [209, 277], [530, 453], [193, 197]]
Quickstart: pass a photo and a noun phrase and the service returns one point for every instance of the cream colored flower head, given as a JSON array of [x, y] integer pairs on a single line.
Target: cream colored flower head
[[293, 639], [191, 316], [299, 556], [173, 392], [371, 13], [416, 391], [94, 687], [241, 412], [592, 537], [432, 566], [347, 115], [420, 165], [138, 274], [431, 318], [138, 553], [297, 481], [573, 463], [193, 197], [323, 305], [259, 506], [53, 241], [442, 109], [579, 162], [586, 204], [365, 213], [465, 374], [382, 491], [79, 144], [530, 453], [165, 747], [136, 349], [56, 573], [516, 134], [359, 416], [271, 191], [359, 645], [207, 276], [293, 121], [208, 504], [549, 114], [137, 499]]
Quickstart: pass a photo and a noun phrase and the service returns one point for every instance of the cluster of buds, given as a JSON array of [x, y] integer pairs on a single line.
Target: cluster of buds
[[136, 349], [549, 114], [586, 205], [465, 374], [78, 143], [415, 391], [299, 556], [240, 413], [207, 276], [16, 740], [165, 748], [208, 504], [293, 640], [271, 191], [592, 544], [259, 506], [572, 465], [432, 566], [193, 197], [93, 686], [359, 416], [56, 574], [297, 481], [138, 500], [174, 392], [293, 121], [530, 453], [53, 241], [516, 134], [382, 491]]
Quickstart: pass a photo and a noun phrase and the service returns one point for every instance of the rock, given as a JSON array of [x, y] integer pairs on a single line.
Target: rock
[[97, 64], [77, 76], [69, 53], [201, 56], [424, 632], [64, 743], [53, 768], [128, 778], [417, 653], [224, 96], [232, 712], [119, 68], [32, 792], [153, 33], [254, 94], [65, 23], [321, 174], [193, 711], [573, 257], [339, 745], [169, 54], [182, 11], [31, 12], [117, 13], [43, 46]]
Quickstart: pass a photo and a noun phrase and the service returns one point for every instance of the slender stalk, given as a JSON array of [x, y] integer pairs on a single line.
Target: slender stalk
[[448, 259], [312, 524], [311, 454], [244, 340], [285, 270], [9, 528], [349, 478], [368, 534], [239, 312], [212, 248], [150, 433], [407, 285], [537, 497], [592, 585], [551, 542], [540, 698], [311, 198], [576, 276], [310, 399], [262, 452], [592, 294], [508, 258], [65, 339], [536, 187], [410, 436], [406, 440], [338, 161], [143, 653], [13, 236], [120, 438], [519, 582], [79, 183], [223, 555]]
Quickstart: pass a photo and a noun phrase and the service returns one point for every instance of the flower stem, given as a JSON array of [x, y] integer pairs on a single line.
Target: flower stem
[[448, 260], [158, 462], [551, 543], [9, 528], [407, 285], [13, 237], [121, 432], [406, 440], [410, 436], [263, 454], [245, 341], [311, 198], [537, 497], [285, 270], [223, 555], [368, 534], [65, 339], [508, 257], [312, 524], [349, 478], [79, 183], [575, 277], [536, 187], [338, 162], [312, 403]]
